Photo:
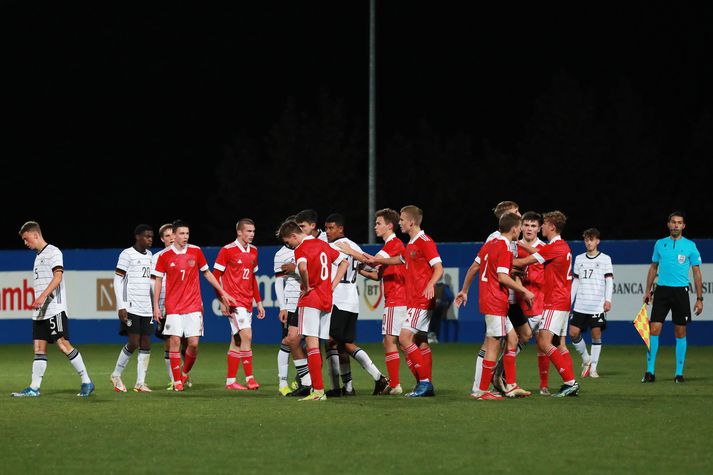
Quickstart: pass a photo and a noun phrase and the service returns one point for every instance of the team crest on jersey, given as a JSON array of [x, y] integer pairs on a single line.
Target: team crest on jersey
[[173, 264], [128, 323], [413, 254], [191, 263], [681, 259], [373, 293]]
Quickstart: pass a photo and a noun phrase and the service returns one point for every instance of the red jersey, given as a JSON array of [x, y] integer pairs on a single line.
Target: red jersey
[[557, 259], [533, 281], [180, 270], [319, 256], [495, 258], [393, 277], [419, 256], [235, 268]]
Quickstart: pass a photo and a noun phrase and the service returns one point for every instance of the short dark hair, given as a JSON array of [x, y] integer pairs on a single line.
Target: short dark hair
[[532, 216], [30, 226], [680, 214], [591, 233], [508, 221], [336, 218], [142, 228], [287, 228], [179, 223], [389, 215], [242, 222], [307, 216]]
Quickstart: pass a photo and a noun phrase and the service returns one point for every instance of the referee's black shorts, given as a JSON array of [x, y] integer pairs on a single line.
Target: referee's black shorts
[[674, 300]]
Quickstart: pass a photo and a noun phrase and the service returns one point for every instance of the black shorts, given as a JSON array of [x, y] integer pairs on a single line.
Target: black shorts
[[135, 325], [585, 321], [291, 322], [674, 300], [159, 330], [516, 315], [342, 325], [51, 329]]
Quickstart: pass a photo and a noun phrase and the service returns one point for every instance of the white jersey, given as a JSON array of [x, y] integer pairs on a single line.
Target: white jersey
[[346, 295], [162, 297], [322, 235], [291, 281], [134, 295], [513, 248], [591, 272], [47, 261]]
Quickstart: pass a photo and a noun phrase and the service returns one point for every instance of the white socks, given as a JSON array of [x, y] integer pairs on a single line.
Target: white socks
[[283, 365], [142, 366], [363, 358], [122, 361], [76, 359], [39, 365]]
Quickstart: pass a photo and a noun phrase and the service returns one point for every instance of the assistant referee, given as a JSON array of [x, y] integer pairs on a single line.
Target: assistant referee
[[672, 258]]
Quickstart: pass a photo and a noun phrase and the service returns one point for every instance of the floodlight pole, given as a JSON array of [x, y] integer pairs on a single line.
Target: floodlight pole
[[372, 121]]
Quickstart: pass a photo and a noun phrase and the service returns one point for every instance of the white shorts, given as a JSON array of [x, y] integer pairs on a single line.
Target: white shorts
[[392, 320], [555, 321], [187, 324], [535, 323], [497, 326], [313, 322], [417, 320], [240, 319]]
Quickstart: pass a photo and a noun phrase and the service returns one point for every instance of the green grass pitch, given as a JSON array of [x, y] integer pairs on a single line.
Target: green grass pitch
[[617, 424]]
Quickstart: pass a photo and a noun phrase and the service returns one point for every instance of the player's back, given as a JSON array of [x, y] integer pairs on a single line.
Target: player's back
[[495, 257], [558, 275], [318, 256], [285, 255]]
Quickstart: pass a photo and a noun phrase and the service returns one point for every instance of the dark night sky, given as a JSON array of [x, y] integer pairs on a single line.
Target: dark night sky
[[117, 115]]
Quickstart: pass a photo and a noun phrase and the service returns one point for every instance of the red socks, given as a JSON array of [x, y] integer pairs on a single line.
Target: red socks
[[568, 374], [543, 364], [509, 365], [409, 363], [233, 363], [427, 362], [314, 361], [560, 362], [175, 359], [414, 354], [488, 368], [247, 357], [392, 367], [188, 363]]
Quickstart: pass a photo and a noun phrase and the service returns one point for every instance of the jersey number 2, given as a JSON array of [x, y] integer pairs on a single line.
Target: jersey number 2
[[483, 273]]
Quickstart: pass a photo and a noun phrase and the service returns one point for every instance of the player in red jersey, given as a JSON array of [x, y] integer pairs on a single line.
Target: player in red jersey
[[494, 284], [314, 259], [557, 259], [235, 269], [180, 265], [423, 269], [394, 281], [533, 279]]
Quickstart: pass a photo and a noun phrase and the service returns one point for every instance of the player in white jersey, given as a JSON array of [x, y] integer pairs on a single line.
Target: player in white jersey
[[132, 288], [592, 290], [345, 311], [287, 290], [49, 316]]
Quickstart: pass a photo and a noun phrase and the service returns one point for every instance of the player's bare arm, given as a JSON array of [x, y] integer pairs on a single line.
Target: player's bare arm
[[515, 285], [260, 311], [56, 279], [228, 299], [289, 267], [304, 277], [527, 247], [522, 262], [362, 257], [650, 277], [369, 274], [462, 297], [389, 261], [123, 314], [430, 291], [341, 270], [698, 283], [157, 283]]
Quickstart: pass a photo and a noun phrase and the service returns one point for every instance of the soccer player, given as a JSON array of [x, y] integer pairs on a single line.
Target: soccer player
[[287, 290], [423, 269], [180, 265], [307, 219], [533, 279], [132, 288], [394, 281], [592, 289], [235, 269], [557, 259], [345, 311], [49, 316], [495, 281], [314, 259], [672, 258]]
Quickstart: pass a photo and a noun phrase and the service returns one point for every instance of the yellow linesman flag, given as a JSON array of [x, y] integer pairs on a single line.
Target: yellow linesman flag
[[641, 323]]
